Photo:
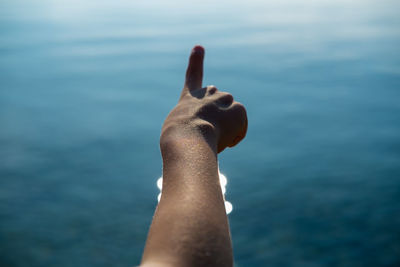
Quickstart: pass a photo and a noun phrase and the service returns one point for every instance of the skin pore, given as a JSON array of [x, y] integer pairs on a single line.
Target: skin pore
[[190, 226]]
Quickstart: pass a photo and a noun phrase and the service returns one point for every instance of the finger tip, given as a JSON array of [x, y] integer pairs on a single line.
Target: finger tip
[[198, 49]]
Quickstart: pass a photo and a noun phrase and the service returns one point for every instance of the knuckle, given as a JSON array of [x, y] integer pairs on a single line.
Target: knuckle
[[211, 89], [225, 99]]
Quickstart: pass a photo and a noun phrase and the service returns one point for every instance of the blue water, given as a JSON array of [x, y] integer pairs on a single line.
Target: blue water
[[86, 85]]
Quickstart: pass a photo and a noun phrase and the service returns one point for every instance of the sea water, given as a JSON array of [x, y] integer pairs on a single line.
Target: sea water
[[86, 85]]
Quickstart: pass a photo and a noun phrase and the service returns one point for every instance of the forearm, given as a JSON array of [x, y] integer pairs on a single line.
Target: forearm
[[190, 226]]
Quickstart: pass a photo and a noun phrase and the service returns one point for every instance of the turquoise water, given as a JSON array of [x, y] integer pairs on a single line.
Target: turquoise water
[[86, 85]]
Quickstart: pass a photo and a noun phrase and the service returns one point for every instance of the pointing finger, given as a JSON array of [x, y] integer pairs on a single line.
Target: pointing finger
[[194, 72]]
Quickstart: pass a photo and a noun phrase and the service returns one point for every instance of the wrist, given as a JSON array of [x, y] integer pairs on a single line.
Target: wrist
[[188, 153], [188, 135]]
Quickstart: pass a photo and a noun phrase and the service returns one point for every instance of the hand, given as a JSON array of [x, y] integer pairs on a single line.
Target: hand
[[204, 112]]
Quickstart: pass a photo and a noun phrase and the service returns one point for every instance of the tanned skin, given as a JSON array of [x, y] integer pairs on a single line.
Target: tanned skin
[[190, 226]]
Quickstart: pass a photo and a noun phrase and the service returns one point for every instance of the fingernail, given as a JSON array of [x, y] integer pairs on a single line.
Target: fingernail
[[198, 49]]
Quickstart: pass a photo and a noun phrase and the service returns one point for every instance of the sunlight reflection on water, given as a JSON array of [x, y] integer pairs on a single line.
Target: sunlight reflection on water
[[223, 182]]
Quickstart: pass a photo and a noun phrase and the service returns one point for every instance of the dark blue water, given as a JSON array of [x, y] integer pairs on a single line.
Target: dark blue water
[[86, 85]]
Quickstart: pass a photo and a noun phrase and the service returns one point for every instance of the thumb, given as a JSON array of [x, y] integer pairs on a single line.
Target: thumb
[[194, 72]]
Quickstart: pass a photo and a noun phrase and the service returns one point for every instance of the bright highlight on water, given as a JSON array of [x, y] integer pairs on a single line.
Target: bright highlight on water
[[223, 182]]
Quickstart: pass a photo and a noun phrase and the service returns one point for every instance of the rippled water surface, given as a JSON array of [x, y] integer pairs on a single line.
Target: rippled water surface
[[85, 86]]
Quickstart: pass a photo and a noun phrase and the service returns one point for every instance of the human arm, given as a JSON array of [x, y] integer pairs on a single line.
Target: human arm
[[190, 226]]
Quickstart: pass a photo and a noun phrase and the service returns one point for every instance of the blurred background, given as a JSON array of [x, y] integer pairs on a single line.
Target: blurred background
[[86, 85]]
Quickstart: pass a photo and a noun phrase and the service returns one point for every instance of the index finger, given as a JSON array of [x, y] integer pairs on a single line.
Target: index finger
[[194, 72]]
